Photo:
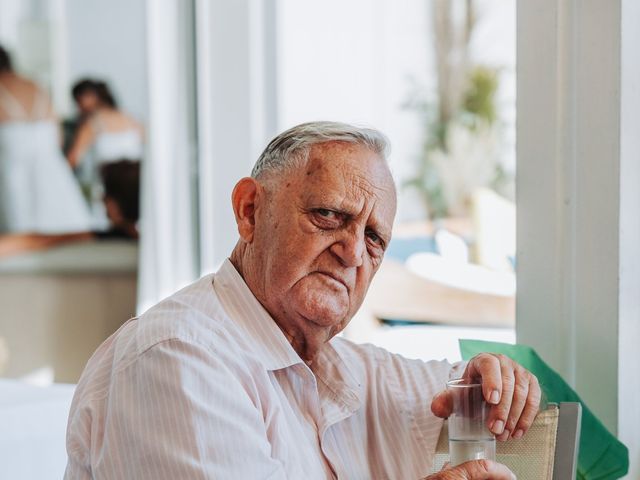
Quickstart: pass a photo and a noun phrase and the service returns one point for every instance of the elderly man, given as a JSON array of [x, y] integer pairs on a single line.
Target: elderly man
[[241, 375]]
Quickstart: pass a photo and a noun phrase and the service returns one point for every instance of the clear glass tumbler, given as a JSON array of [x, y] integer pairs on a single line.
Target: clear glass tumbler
[[469, 437]]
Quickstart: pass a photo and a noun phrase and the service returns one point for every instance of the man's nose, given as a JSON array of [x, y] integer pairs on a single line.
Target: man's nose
[[349, 248]]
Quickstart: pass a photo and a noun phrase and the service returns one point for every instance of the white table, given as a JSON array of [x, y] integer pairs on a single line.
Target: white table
[[33, 422]]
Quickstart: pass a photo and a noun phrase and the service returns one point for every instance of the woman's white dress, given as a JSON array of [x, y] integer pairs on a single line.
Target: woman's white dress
[[107, 147], [38, 192]]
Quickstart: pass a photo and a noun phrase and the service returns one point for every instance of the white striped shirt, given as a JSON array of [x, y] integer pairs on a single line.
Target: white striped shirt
[[205, 385]]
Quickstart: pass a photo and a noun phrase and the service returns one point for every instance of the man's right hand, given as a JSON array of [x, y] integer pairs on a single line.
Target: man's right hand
[[474, 470]]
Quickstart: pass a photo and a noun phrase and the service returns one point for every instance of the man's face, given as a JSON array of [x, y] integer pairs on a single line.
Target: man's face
[[320, 237]]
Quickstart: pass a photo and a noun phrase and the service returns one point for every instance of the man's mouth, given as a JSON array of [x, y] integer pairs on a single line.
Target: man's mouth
[[335, 278]]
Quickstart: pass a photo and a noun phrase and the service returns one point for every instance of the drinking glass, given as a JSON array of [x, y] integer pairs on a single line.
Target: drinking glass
[[469, 437]]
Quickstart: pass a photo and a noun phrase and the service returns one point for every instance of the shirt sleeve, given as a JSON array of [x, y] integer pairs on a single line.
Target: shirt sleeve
[[397, 415], [179, 412], [417, 383]]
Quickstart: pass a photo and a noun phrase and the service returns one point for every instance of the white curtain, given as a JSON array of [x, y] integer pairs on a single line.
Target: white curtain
[[168, 244]]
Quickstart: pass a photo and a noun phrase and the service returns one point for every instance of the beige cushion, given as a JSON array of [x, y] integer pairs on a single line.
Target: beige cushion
[[530, 458]]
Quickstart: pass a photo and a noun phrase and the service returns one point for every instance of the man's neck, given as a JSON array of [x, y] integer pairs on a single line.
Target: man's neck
[[238, 259]]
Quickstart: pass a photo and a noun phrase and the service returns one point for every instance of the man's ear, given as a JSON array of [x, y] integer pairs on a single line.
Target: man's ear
[[244, 199]]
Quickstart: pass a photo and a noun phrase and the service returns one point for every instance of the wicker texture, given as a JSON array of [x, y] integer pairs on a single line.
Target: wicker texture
[[530, 458]]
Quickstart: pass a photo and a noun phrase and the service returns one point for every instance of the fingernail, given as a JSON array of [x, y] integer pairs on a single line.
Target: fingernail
[[495, 397], [518, 434], [513, 476], [498, 427]]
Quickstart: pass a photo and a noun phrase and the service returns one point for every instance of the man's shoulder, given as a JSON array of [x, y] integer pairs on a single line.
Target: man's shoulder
[[192, 315], [187, 327]]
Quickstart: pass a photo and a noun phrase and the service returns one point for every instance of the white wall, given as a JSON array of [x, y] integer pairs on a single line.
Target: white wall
[[34, 33], [56, 42], [107, 39], [354, 62], [11, 11]]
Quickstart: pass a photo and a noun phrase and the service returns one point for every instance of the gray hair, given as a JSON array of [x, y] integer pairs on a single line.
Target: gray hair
[[292, 146]]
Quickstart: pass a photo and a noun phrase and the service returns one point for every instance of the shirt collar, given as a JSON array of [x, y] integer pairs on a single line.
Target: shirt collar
[[271, 345], [244, 309], [332, 370]]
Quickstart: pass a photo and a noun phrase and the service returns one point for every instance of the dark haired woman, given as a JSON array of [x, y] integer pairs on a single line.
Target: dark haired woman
[[104, 135], [37, 190]]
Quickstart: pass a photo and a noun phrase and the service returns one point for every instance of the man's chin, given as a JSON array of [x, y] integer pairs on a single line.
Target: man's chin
[[315, 336], [319, 306], [325, 320]]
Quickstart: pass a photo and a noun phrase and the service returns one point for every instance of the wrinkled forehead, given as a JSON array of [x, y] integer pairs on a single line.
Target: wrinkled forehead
[[350, 172]]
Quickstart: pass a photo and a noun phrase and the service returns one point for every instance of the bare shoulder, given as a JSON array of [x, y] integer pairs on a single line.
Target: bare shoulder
[[133, 122], [24, 90], [29, 95], [115, 120]]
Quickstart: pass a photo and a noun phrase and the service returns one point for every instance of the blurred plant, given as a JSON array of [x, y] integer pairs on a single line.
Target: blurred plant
[[461, 151]]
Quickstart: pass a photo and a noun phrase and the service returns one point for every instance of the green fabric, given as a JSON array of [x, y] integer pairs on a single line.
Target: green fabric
[[602, 456]]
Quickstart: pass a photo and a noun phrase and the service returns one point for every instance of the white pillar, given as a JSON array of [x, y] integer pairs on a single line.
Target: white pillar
[[578, 202], [236, 109], [629, 240], [168, 253]]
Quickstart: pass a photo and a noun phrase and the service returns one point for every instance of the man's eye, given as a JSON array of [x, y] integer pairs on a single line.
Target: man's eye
[[325, 218], [323, 212], [374, 237]]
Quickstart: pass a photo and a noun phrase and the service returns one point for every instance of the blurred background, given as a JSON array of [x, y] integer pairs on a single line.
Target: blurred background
[[124, 125], [437, 77]]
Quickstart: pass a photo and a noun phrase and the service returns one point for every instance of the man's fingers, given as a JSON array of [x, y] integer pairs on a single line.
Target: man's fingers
[[486, 367], [532, 405], [513, 392], [519, 400], [475, 470], [442, 404], [501, 414], [485, 470]]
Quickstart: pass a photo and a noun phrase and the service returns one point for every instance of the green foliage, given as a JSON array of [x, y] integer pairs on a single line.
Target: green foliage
[[477, 107], [479, 99]]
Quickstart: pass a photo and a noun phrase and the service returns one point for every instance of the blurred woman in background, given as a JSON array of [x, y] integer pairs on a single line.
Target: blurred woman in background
[[105, 134], [38, 192], [122, 202]]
